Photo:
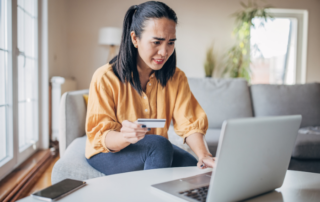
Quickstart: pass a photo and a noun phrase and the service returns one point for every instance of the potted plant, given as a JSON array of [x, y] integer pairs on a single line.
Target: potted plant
[[238, 57], [210, 63]]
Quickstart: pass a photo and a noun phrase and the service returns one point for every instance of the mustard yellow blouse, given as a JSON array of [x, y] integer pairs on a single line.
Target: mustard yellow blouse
[[111, 102]]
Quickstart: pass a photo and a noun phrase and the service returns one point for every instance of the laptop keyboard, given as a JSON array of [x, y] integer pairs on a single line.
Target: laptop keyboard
[[199, 194]]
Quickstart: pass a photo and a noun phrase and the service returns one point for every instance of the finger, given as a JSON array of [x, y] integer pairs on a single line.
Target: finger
[[131, 130], [140, 124], [136, 139], [141, 137], [209, 163], [200, 164], [133, 140], [134, 135], [129, 124], [126, 130], [129, 135]]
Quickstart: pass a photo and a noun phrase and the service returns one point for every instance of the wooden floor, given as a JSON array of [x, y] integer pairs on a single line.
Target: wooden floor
[[44, 180], [34, 173]]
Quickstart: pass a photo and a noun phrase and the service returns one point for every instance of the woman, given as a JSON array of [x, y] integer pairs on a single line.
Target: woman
[[143, 82]]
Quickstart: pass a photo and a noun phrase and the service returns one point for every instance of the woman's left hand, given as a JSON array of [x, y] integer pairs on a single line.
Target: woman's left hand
[[207, 162]]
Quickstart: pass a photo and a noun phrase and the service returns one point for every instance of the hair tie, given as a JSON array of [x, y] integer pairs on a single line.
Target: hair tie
[[135, 7]]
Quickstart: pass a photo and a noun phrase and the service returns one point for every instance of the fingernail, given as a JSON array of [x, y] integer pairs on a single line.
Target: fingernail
[[149, 129], [143, 126], [202, 165]]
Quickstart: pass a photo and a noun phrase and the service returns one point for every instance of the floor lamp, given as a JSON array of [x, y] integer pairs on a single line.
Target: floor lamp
[[110, 37]]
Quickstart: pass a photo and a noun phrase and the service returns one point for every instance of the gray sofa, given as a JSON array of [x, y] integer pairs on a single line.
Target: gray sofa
[[221, 99]]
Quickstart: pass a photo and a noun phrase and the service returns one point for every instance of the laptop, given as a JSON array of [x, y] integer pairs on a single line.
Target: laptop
[[253, 156]]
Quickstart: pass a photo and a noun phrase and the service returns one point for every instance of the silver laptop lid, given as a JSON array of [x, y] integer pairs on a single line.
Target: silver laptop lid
[[252, 157]]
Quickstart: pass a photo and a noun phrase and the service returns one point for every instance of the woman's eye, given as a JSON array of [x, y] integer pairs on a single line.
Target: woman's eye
[[158, 42]]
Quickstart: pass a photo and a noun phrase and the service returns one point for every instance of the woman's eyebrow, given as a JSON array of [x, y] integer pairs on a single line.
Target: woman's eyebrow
[[162, 39]]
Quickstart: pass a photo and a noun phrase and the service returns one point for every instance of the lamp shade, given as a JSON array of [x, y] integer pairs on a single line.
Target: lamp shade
[[110, 36]]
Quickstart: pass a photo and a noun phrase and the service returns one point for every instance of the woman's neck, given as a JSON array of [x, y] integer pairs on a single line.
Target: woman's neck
[[143, 69]]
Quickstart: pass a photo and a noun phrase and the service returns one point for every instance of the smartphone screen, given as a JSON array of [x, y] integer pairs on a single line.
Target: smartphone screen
[[59, 189]]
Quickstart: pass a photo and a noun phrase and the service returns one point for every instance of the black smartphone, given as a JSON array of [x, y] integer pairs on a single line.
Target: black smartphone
[[59, 190]]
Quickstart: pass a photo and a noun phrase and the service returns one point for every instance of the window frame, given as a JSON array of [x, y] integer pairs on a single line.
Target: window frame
[[14, 156], [302, 38]]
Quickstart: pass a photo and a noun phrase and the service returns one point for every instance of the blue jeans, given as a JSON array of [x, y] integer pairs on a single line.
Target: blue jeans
[[153, 151]]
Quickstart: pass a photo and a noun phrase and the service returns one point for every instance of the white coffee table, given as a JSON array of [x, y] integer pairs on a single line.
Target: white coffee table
[[135, 186]]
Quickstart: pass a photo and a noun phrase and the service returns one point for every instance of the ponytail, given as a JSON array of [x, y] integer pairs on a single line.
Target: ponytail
[[131, 52]]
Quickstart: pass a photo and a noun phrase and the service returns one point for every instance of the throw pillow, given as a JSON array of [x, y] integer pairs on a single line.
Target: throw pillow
[[86, 96]]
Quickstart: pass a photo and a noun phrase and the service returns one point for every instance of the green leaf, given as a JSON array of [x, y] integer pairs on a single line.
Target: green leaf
[[237, 59], [243, 4]]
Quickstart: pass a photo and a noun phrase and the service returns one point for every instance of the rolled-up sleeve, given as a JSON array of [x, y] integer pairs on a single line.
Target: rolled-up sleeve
[[100, 118], [188, 115]]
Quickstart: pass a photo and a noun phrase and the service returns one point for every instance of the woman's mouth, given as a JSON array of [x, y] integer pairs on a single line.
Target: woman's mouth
[[158, 61]]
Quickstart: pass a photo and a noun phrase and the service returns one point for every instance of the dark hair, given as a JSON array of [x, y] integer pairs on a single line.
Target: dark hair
[[125, 62]]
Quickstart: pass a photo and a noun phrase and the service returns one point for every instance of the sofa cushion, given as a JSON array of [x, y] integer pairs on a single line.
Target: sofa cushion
[[307, 145], [73, 164], [222, 99], [276, 100], [305, 165], [178, 141], [211, 137]]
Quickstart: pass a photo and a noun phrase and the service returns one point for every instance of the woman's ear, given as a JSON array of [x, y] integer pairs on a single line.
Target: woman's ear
[[134, 39]]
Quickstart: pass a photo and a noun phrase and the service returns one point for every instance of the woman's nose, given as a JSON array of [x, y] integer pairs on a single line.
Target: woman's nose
[[163, 51]]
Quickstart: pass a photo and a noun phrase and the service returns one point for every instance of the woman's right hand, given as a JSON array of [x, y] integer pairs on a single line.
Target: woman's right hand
[[132, 132]]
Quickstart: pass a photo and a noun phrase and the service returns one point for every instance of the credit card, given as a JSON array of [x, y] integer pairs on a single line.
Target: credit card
[[152, 123]]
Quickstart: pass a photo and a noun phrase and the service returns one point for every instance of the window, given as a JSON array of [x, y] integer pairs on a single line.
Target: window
[[21, 97], [27, 73], [4, 136], [274, 50], [278, 47]]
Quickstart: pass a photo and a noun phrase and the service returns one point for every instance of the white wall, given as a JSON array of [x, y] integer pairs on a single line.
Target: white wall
[[57, 31], [74, 27]]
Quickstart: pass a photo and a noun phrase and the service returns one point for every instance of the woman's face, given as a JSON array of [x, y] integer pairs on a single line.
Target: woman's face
[[156, 43]]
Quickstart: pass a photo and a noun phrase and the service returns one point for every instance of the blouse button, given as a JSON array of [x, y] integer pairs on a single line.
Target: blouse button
[[146, 110], [149, 84], [145, 97]]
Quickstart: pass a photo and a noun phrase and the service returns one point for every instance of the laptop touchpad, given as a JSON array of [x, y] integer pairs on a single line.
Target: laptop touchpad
[[198, 179]]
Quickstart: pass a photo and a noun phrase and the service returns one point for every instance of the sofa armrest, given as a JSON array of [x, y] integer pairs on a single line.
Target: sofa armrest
[[72, 116]]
